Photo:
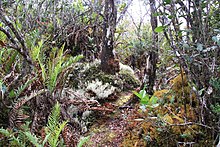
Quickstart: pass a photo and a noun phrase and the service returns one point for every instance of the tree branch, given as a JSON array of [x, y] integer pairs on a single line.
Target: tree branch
[[23, 51]]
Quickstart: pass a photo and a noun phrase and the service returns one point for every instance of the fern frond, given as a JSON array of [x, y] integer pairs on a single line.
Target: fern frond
[[20, 103], [82, 141], [35, 51], [5, 132], [24, 99], [71, 60], [32, 138], [54, 128], [23, 87], [16, 141], [55, 115], [54, 137], [55, 67]]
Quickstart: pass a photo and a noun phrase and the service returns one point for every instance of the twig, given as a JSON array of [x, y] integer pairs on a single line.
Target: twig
[[78, 102], [100, 109], [191, 123]]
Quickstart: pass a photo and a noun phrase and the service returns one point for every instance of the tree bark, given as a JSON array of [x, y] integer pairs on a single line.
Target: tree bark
[[150, 68], [108, 62]]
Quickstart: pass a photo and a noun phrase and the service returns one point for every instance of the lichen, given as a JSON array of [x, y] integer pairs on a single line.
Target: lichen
[[89, 72], [88, 81], [100, 90]]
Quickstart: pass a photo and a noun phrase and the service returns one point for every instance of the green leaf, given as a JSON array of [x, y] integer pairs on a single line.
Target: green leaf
[[12, 94], [142, 93], [159, 29], [153, 100], [144, 101], [5, 132], [83, 140], [170, 16], [167, 2], [32, 138], [137, 94]]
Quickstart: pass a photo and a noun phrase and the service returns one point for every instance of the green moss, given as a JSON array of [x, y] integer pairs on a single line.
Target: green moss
[[88, 72], [129, 80]]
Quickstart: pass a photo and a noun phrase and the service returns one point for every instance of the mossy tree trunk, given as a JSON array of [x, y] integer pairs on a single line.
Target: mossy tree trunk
[[108, 62]]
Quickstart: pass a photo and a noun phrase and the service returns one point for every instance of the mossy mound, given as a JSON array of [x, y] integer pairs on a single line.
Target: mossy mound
[[174, 122], [85, 73]]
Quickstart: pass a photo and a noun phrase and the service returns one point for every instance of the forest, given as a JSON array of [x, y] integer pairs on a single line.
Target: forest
[[110, 73]]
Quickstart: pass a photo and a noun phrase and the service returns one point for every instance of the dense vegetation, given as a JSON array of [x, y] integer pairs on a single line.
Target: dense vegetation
[[87, 73]]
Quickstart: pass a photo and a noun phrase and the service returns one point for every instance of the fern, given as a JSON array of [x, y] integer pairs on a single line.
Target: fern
[[23, 87], [5, 132], [57, 64], [55, 67], [13, 140], [54, 128], [33, 139], [82, 141], [36, 50], [52, 67]]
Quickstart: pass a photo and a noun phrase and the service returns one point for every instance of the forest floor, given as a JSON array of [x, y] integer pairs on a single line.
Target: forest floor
[[113, 129], [120, 128]]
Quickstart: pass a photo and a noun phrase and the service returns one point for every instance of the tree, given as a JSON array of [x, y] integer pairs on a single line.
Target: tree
[[108, 62], [150, 67]]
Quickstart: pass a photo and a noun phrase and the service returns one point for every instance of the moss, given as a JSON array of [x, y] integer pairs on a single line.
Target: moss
[[123, 98], [129, 80], [178, 82], [88, 72]]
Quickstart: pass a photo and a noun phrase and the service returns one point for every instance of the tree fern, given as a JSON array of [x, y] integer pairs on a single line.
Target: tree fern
[[54, 128]]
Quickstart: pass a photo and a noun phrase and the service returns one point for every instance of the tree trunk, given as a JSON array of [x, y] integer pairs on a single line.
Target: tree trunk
[[150, 69], [108, 62]]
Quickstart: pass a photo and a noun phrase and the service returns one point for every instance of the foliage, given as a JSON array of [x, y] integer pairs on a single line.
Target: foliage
[[82, 141], [40, 42], [215, 107], [24, 137], [54, 128], [146, 100]]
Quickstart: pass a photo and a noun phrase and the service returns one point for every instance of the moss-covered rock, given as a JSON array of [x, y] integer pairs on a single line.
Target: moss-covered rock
[[85, 73]]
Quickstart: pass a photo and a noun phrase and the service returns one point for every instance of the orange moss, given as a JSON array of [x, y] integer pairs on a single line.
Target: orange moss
[[179, 81], [161, 93], [169, 127]]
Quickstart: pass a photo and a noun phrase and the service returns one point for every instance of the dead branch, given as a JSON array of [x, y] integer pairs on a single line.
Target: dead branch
[[100, 109], [191, 123], [78, 102]]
